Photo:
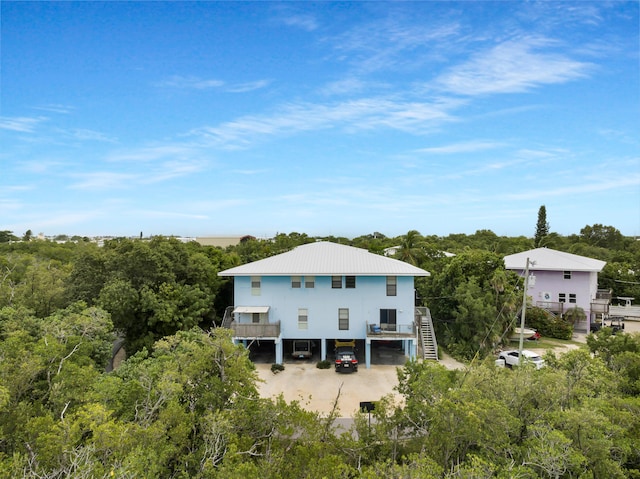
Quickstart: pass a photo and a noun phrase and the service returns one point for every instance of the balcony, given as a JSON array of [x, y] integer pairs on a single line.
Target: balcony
[[391, 331], [554, 307], [255, 330]]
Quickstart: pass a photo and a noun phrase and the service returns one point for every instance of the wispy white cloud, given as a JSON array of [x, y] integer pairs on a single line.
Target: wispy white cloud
[[84, 134], [10, 204], [148, 166], [153, 153], [190, 82], [511, 67], [248, 86], [345, 86], [466, 147], [23, 124], [102, 180], [588, 185], [42, 166], [350, 116], [197, 83], [305, 22], [169, 170], [380, 46], [55, 108], [250, 172]]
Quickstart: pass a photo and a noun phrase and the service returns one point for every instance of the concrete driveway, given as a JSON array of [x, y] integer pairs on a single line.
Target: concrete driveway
[[317, 389]]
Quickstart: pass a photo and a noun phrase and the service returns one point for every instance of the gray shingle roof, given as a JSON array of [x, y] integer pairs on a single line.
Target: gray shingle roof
[[326, 259], [551, 260]]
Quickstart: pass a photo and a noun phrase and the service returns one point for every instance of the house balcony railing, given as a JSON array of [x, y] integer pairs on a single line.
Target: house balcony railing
[[256, 330], [555, 307], [600, 306], [391, 330], [604, 294]]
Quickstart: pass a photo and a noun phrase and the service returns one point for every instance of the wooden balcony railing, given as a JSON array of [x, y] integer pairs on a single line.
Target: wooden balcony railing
[[555, 307], [255, 330]]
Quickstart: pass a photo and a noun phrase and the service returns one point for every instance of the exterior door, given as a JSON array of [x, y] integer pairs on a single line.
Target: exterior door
[[388, 319]]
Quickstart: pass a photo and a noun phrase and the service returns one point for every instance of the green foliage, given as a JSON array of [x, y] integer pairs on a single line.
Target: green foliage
[[276, 368], [187, 404], [6, 236], [189, 407], [602, 236], [152, 289], [324, 364], [575, 315], [542, 227], [473, 301], [550, 325]]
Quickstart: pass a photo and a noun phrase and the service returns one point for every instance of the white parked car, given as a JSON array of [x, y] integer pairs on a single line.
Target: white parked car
[[511, 358]]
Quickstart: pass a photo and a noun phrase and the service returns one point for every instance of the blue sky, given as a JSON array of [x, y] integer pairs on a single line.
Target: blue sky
[[216, 118]]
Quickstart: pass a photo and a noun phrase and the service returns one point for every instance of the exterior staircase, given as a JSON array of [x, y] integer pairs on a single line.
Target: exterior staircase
[[228, 317], [427, 335]]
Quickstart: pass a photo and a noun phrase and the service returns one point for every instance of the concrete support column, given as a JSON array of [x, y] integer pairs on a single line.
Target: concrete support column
[[367, 353], [323, 349], [279, 353], [413, 349]]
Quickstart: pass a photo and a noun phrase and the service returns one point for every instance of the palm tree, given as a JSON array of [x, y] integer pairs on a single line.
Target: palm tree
[[411, 250]]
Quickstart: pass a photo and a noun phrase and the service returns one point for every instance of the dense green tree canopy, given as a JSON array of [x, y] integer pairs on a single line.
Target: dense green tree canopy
[[191, 408]]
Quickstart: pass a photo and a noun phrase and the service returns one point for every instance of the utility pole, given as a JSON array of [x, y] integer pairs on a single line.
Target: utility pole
[[524, 310]]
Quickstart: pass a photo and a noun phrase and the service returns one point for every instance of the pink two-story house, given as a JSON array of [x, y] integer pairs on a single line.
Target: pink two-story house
[[560, 281]]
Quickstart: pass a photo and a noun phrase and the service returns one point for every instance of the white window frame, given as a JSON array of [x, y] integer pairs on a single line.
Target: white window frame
[[256, 284], [303, 318], [392, 286], [343, 319], [296, 282], [309, 282]]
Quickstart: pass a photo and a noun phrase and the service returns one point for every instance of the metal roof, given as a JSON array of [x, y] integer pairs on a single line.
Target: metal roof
[[326, 259], [546, 259]]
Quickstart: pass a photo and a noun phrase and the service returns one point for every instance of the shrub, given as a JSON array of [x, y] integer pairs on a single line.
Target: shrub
[[548, 324], [276, 368], [575, 315], [324, 364]]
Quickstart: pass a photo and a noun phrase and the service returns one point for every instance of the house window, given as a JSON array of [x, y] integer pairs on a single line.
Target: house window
[[567, 275], [343, 319], [572, 298], [350, 282], [336, 282], [388, 319], [562, 298], [392, 285], [255, 285], [255, 318], [303, 318], [296, 281], [309, 282]]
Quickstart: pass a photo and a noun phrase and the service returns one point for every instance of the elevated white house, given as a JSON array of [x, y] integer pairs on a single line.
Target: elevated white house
[[322, 292], [560, 281]]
